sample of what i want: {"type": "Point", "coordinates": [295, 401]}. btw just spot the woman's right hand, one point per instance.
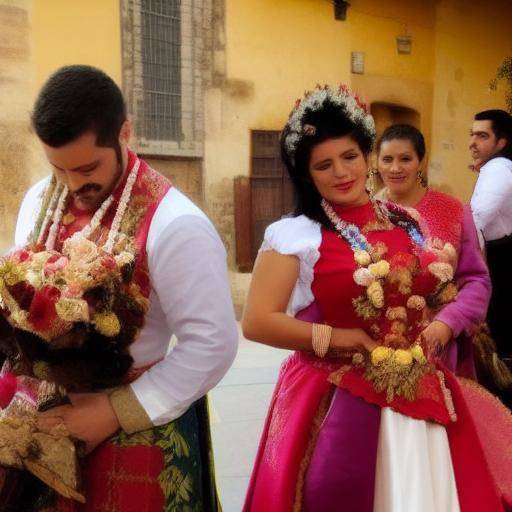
{"type": "Point", "coordinates": [352, 339]}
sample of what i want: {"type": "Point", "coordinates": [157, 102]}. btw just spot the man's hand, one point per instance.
{"type": "Point", "coordinates": [435, 336]}
{"type": "Point", "coordinates": [90, 418]}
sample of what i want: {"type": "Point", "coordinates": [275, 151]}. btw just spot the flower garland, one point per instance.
{"type": "Point", "coordinates": [371, 269]}
{"type": "Point", "coordinates": [397, 366]}
{"type": "Point", "coordinates": [56, 219]}
{"type": "Point", "coordinates": [56, 212]}
{"type": "Point", "coordinates": [314, 100]}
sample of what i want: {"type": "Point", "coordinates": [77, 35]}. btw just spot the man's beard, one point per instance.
{"type": "Point", "coordinates": [94, 202]}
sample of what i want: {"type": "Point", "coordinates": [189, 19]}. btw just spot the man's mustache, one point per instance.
{"type": "Point", "coordinates": [85, 189]}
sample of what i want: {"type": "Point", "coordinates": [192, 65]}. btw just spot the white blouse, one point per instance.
{"type": "Point", "coordinates": [301, 237]}
{"type": "Point", "coordinates": [189, 298]}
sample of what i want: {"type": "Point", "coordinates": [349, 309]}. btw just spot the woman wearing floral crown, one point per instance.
{"type": "Point", "coordinates": [401, 157]}
{"type": "Point", "coordinates": [112, 260]}
{"type": "Point", "coordinates": [364, 416]}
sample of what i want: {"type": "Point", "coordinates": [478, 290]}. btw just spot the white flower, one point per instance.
{"type": "Point", "coordinates": [80, 250]}
{"type": "Point", "coordinates": [34, 278]}
{"type": "Point", "coordinates": [124, 258]}
{"type": "Point", "coordinates": [363, 277]}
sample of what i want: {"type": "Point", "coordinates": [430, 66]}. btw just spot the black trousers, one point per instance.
{"type": "Point", "coordinates": [499, 315]}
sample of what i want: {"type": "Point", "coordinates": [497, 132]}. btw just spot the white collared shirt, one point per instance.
{"type": "Point", "coordinates": [190, 299]}
{"type": "Point", "coordinates": [491, 202]}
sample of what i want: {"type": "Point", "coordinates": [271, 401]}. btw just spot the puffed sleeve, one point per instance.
{"type": "Point", "coordinates": [300, 237]}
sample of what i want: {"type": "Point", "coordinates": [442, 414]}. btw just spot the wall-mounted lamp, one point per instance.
{"type": "Point", "coordinates": [404, 44]}
{"type": "Point", "coordinates": [340, 9]}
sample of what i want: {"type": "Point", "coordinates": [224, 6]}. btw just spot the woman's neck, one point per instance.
{"type": "Point", "coordinates": [410, 198]}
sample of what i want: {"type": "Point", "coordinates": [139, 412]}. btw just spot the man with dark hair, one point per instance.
{"type": "Point", "coordinates": [138, 263]}
{"type": "Point", "coordinates": [491, 149]}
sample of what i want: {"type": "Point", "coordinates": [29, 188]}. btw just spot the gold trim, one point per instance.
{"type": "Point", "coordinates": [318, 420]}
{"type": "Point", "coordinates": [129, 411]}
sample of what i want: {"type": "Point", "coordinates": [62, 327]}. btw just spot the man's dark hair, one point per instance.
{"type": "Point", "coordinates": [331, 121]}
{"type": "Point", "coordinates": [501, 124]}
{"type": "Point", "coordinates": [76, 99]}
{"type": "Point", "coordinates": [404, 132]}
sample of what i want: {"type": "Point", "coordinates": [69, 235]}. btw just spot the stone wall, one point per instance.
{"type": "Point", "coordinates": [18, 147]}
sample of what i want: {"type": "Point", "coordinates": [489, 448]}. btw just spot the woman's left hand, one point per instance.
{"type": "Point", "coordinates": [436, 336]}
{"type": "Point", "coordinates": [90, 418]}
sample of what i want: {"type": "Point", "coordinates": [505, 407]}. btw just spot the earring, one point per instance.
{"type": "Point", "coordinates": [370, 182]}
{"type": "Point", "coordinates": [422, 179]}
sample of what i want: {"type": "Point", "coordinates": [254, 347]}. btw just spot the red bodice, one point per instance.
{"type": "Point", "coordinates": [333, 286]}
{"type": "Point", "coordinates": [442, 214]}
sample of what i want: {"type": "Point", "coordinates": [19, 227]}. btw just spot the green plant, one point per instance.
{"type": "Point", "coordinates": [504, 72]}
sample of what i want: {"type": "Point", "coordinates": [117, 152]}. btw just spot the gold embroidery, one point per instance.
{"type": "Point", "coordinates": [306, 459]}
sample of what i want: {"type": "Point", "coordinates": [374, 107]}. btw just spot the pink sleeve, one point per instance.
{"type": "Point", "coordinates": [473, 283]}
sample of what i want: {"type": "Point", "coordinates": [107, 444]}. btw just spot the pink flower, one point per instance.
{"type": "Point", "coordinates": [72, 290]}
{"type": "Point", "coordinates": [54, 265]}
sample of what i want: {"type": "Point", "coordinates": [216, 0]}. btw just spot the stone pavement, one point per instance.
{"type": "Point", "coordinates": [240, 404]}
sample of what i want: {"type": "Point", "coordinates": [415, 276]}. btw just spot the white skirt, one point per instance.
{"type": "Point", "coordinates": [414, 467]}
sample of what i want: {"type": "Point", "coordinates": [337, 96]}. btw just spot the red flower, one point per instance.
{"type": "Point", "coordinates": [23, 293]}
{"type": "Point", "coordinates": [7, 389]}
{"type": "Point", "coordinates": [23, 255]}
{"type": "Point", "coordinates": [108, 262]}
{"type": "Point", "coordinates": [42, 310]}
{"type": "Point", "coordinates": [403, 259]}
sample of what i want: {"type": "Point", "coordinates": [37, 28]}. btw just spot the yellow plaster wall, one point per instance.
{"type": "Point", "coordinates": [472, 38]}
{"type": "Point", "coordinates": [76, 32]}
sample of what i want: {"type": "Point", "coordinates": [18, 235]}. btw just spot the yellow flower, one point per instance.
{"type": "Point", "coordinates": [379, 269]}
{"type": "Point", "coordinates": [418, 354]}
{"type": "Point", "coordinates": [450, 251]}
{"type": "Point", "coordinates": [380, 354]}
{"type": "Point", "coordinates": [398, 313]}
{"type": "Point", "coordinates": [73, 310]}
{"type": "Point", "coordinates": [376, 294]}
{"type": "Point", "coordinates": [447, 294]}
{"type": "Point", "coordinates": [403, 357]}
{"type": "Point", "coordinates": [443, 271]}
{"type": "Point", "coordinates": [362, 258]}
{"type": "Point", "coordinates": [12, 273]}
{"type": "Point", "coordinates": [107, 324]}
{"type": "Point", "coordinates": [416, 302]}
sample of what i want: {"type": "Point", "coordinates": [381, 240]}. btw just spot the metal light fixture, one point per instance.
{"type": "Point", "coordinates": [340, 9]}
{"type": "Point", "coordinates": [404, 44]}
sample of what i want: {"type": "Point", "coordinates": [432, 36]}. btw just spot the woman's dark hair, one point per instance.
{"type": "Point", "coordinates": [404, 132]}
{"type": "Point", "coordinates": [76, 99]}
{"type": "Point", "coordinates": [501, 124]}
{"type": "Point", "coordinates": [330, 121]}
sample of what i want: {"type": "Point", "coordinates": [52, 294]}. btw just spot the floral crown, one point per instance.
{"type": "Point", "coordinates": [315, 100]}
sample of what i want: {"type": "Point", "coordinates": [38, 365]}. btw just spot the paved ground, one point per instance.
{"type": "Point", "coordinates": [240, 403]}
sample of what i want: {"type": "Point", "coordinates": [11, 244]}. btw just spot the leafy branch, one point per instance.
{"type": "Point", "coordinates": [504, 72]}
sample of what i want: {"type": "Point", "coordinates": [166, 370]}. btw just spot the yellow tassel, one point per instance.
{"type": "Point", "coordinates": [501, 373]}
